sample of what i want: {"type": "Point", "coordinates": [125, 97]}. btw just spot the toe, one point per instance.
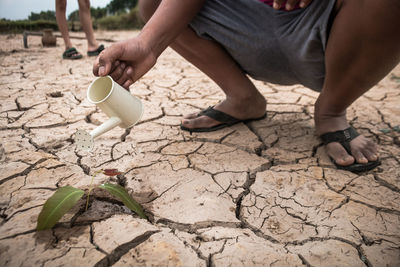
{"type": "Point", "coordinates": [187, 123]}
{"type": "Point", "coordinates": [191, 123]}
{"type": "Point", "coordinates": [191, 116]}
{"type": "Point", "coordinates": [364, 150]}
{"type": "Point", "coordinates": [371, 155]}
{"type": "Point", "coordinates": [359, 156]}
{"type": "Point", "coordinates": [339, 154]}
{"type": "Point", "coordinates": [371, 151]}
{"type": "Point", "coordinates": [199, 122]}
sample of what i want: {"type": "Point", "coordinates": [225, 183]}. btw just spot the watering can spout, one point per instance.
{"type": "Point", "coordinates": [84, 140]}
{"type": "Point", "coordinates": [106, 126]}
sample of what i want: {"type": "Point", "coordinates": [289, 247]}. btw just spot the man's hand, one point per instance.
{"type": "Point", "coordinates": [290, 4]}
{"type": "Point", "coordinates": [129, 60]}
{"type": "Point", "coordinates": [125, 62]}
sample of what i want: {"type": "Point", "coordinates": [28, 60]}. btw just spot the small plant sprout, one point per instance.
{"type": "Point", "coordinates": [90, 188]}
{"type": "Point", "coordinates": [66, 197]}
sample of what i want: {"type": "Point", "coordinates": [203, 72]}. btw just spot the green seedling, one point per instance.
{"type": "Point", "coordinates": [385, 131]}
{"type": "Point", "coordinates": [395, 78]}
{"type": "Point", "coordinates": [66, 197]}
{"type": "Point", "coordinates": [388, 130]}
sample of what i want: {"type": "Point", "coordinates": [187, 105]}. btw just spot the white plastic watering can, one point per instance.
{"type": "Point", "coordinates": [122, 108]}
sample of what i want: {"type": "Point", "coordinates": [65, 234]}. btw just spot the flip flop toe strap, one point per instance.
{"type": "Point", "coordinates": [71, 53]}
{"type": "Point", "coordinates": [97, 51]}
{"type": "Point", "coordinates": [344, 137]}
{"type": "Point", "coordinates": [218, 116]}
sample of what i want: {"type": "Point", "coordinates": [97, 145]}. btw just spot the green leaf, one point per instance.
{"type": "Point", "coordinates": [120, 192]}
{"type": "Point", "coordinates": [395, 78]}
{"type": "Point", "coordinates": [57, 205]}
{"type": "Point", "coordinates": [385, 131]}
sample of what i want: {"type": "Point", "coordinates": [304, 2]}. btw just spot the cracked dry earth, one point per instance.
{"type": "Point", "coordinates": [257, 194]}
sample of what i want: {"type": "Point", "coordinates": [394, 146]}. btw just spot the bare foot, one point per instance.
{"type": "Point", "coordinates": [363, 150]}
{"type": "Point", "coordinates": [250, 108]}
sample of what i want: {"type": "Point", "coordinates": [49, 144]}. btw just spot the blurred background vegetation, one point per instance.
{"type": "Point", "coordinates": [117, 15]}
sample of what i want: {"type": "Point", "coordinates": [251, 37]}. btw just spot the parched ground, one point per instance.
{"type": "Point", "coordinates": [257, 194]}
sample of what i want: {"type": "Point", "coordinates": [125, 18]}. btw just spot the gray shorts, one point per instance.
{"type": "Point", "coordinates": [274, 46]}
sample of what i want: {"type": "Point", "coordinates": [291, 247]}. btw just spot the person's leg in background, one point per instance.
{"type": "Point", "coordinates": [87, 26]}
{"type": "Point", "coordinates": [70, 51]}
{"type": "Point", "coordinates": [61, 8]}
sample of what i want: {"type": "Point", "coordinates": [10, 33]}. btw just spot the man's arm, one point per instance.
{"type": "Point", "coordinates": [129, 60]}
{"type": "Point", "coordinates": [169, 20]}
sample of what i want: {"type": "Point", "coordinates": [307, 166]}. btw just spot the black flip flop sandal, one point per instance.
{"type": "Point", "coordinates": [96, 52]}
{"type": "Point", "coordinates": [225, 119]}
{"type": "Point", "coordinates": [344, 137]}
{"type": "Point", "coordinates": [71, 53]}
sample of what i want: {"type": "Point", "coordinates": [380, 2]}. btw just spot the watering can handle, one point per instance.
{"type": "Point", "coordinates": [106, 126]}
